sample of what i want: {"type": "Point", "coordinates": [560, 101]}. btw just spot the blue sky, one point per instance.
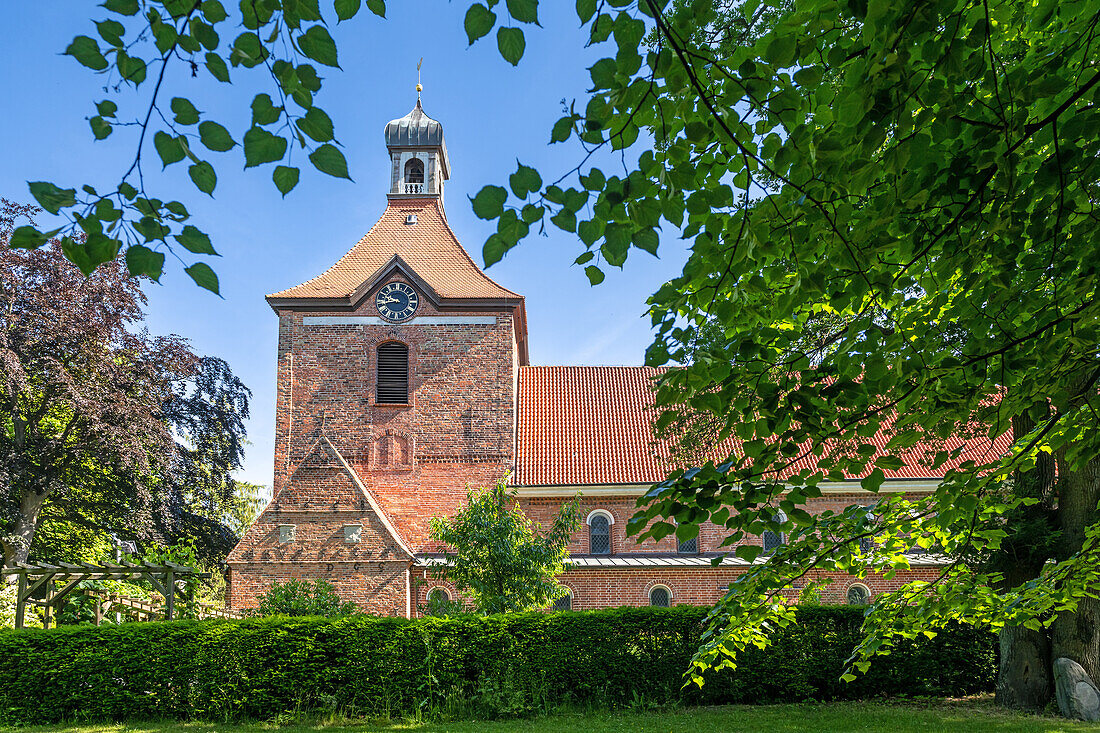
{"type": "Point", "coordinates": [492, 114]}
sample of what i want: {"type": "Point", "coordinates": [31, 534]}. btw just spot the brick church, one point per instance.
{"type": "Point", "coordinates": [403, 377]}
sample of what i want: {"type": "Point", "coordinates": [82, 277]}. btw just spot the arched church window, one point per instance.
{"type": "Point", "coordinates": [393, 373]}
{"type": "Point", "coordinates": [599, 535]}
{"type": "Point", "coordinates": [858, 595]}
{"type": "Point", "coordinates": [772, 541]}
{"type": "Point", "coordinates": [564, 603]}
{"type": "Point", "coordinates": [414, 171]}
{"type": "Point", "coordinates": [660, 596]}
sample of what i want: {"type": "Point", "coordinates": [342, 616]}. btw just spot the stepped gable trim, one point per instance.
{"type": "Point", "coordinates": [339, 284]}
{"type": "Point", "coordinates": [323, 441]}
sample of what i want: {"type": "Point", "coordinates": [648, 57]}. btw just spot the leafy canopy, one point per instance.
{"type": "Point", "coordinates": [500, 557]}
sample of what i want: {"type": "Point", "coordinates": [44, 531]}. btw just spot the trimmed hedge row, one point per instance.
{"type": "Point", "coordinates": [257, 668]}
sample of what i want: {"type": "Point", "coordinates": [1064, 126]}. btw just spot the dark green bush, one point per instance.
{"type": "Point", "coordinates": [259, 667]}
{"type": "Point", "coordinates": [303, 598]}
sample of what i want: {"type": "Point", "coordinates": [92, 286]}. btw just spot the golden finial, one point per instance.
{"type": "Point", "coordinates": [419, 88]}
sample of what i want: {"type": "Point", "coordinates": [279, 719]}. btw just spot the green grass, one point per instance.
{"type": "Point", "coordinates": [968, 716]}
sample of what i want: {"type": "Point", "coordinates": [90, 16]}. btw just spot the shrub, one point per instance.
{"type": "Point", "coordinates": [302, 598]}
{"type": "Point", "coordinates": [492, 665]}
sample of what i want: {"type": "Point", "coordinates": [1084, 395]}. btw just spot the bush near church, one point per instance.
{"type": "Point", "coordinates": [515, 663]}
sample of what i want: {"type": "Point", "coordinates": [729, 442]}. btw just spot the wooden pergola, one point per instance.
{"type": "Point", "coordinates": [58, 581]}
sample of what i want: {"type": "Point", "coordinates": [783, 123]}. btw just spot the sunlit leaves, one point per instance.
{"type": "Point", "coordinates": [215, 64]}
{"type": "Point", "coordinates": [346, 9]}
{"type": "Point", "coordinates": [170, 149]}
{"type": "Point", "coordinates": [264, 112]}
{"type": "Point", "coordinates": [317, 124]}
{"type": "Point", "coordinates": [525, 181]}
{"type": "Point", "coordinates": [525, 11]}
{"type": "Point", "coordinates": [378, 7]}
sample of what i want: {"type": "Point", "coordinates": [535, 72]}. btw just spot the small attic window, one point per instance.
{"type": "Point", "coordinates": [410, 218]}
{"type": "Point", "coordinates": [414, 171]}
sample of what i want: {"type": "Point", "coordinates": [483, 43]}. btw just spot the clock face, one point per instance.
{"type": "Point", "coordinates": [396, 301]}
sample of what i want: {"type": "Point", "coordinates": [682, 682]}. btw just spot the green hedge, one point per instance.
{"type": "Point", "coordinates": [509, 664]}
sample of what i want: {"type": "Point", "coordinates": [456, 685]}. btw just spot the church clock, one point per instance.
{"type": "Point", "coordinates": [396, 301]}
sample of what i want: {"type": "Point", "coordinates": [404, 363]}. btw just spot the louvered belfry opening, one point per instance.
{"type": "Point", "coordinates": [393, 373]}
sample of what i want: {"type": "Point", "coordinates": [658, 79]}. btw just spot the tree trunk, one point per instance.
{"type": "Point", "coordinates": [1076, 635]}
{"type": "Point", "coordinates": [1024, 678]}
{"type": "Point", "coordinates": [18, 547]}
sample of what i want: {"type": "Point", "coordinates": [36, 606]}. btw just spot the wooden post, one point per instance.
{"type": "Point", "coordinates": [49, 598]}
{"type": "Point", "coordinates": [20, 600]}
{"type": "Point", "coordinates": [170, 595]}
{"type": "Point", "coordinates": [98, 611]}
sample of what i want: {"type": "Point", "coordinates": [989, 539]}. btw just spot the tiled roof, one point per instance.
{"type": "Point", "coordinates": [429, 247]}
{"type": "Point", "coordinates": [585, 426]}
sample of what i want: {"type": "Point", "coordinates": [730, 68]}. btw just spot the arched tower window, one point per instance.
{"type": "Point", "coordinates": [393, 374]}
{"type": "Point", "coordinates": [599, 534]}
{"type": "Point", "coordinates": [414, 171]}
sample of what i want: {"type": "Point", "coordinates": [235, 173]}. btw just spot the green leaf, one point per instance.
{"type": "Point", "coordinates": [130, 68]}
{"type": "Point", "coordinates": [585, 10]}
{"type": "Point", "coordinates": [378, 7]}
{"type": "Point", "coordinates": [511, 44]}
{"type": "Point", "coordinates": [101, 128]}
{"type": "Point", "coordinates": [316, 124]}
{"type": "Point", "coordinates": [168, 148]}
{"type": "Point", "coordinates": [595, 275]}
{"type": "Point", "coordinates": [562, 129]}
{"type": "Point", "coordinates": [122, 7]}
{"type": "Point", "coordinates": [263, 111]}
{"type": "Point", "coordinates": [215, 137]}
{"type": "Point", "coordinates": [318, 45]}
{"type": "Point", "coordinates": [479, 21]}
{"type": "Point", "coordinates": [780, 51]}
{"type": "Point", "coordinates": [215, 64]}
{"type": "Point", "coordinates": [646, 239]}
{"type": "Point", "coordinates": [203, 176]}
{"type": "Point", "coordinates": [248, 50]}
{"type": "Point", "coordinates": [616, 243]}
{"type": "Point", "coordinates": [494, 249]}
{"type": "Point", "coordinates": [111, 31]}
{"type": "Point", "coordinates": [50, 197]}
{"type": "Point", "coordinates": [214, 11]}
{"type": "Point", "coordinates": [873, 481]}
{"type": "Point", "coordinates": [809, 76]}
{"type": "Point", "coordinates": [489, 202]}
{"type": "Point", "coordinates": [185, 112]}
{"type": "Point", "coordinates": [27, 237]}
{"type": "Point", "coordinates": [346, 9]}
{"type": "Point", "coordinates": [524, 181]}
{"type": "Point", "coordinates": [286, 178]}
{"type": "Point", "coordinates": [140, 260]}
{"type": "Point", "coordinates": [525, 11]}
{"type": "Point", "coordinates": [86, 51]}
{"type": "Point", "coordinates": [328, 159]}
{"type": "Point", "coordinates": [195, 241]}
{"type": "Point", "coordinates": [203, 276]}
{"type": "Point", "coordinates": [106, 108]}
{"type": "Point", "coordinates": [260, 147]}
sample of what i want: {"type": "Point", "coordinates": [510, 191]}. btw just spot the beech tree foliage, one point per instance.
{"type": "Point", "coordinates": [924, 175]}
{"type": "Point", "coordinates": [104, 427]}
{"type": "Point", "coordinates": [499, 556]}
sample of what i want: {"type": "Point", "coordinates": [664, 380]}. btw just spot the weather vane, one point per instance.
{"type": "Point", "coordinates": [419, 88]}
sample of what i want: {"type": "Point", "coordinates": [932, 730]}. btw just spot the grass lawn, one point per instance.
{"type": "Point", "coordinates": [969, 716]}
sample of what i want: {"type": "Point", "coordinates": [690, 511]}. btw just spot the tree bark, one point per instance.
{"type": "Point", "coordinates": [1024, 678]}
{"type": "Point", "coordinates": [1076, 635]}
{"type": "Point", "coordinates": [30, 511]}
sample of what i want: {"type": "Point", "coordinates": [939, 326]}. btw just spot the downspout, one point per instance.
{"type": "Point", "coordinates": [408, 590]}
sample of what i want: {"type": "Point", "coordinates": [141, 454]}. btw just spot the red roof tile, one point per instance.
{"type": "Point", "coordinates": [579, 426]}
{"type": "Point", "coordinates": [429, 247]}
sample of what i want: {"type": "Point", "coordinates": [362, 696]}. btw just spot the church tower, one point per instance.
{"type": "Point", "coordinates": [397, 371]}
